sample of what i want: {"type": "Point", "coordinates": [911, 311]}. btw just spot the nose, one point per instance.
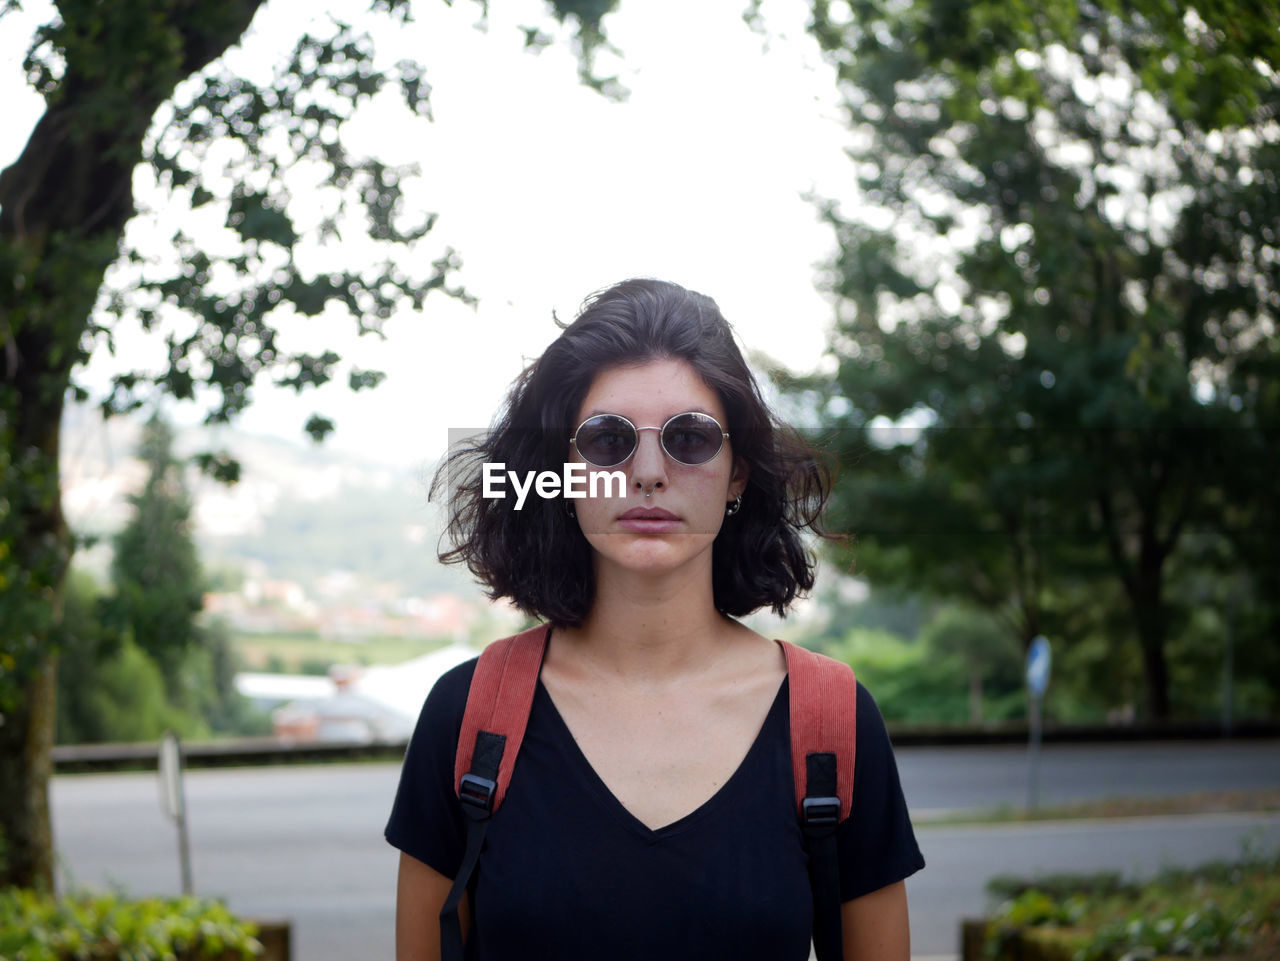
{"type": "Point", "coordinates": [648, 463]}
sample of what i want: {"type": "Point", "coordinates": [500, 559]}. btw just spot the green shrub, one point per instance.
{"type": "Point", "coordinates": [910, 685]}
{"type": "Point", "coordinates": [1206, 931]}
{"type": "Point", "coordinates": [106, 927]}
{"type": "Point", "coordinates": [1217, 910]}
{"type": "Point", "coordinates": [1060, 886]}
{"type": "Point", "coordinates": [130, 703]}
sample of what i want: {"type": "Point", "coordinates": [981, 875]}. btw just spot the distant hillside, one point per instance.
{"type": "Point", "coordinates": [382, 533]}
{"type": "Point", "coordinates": [300, 511]}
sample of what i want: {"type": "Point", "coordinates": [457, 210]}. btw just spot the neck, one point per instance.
{"type": "Point", "coordinates": [650, 630]}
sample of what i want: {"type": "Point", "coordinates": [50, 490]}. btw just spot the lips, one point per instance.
{"type": "Point", "coordinates": [648, 514]}
{"type": "Point", "coordinates": [649, 520]}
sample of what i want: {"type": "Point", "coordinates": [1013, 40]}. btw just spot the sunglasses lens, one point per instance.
{"type": "Point", "coordinates": [692, 438]}
{"type": "Point", "coordinates": [606, 440]}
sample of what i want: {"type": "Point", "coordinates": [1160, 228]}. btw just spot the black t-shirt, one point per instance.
{"type": "Point", "coordinates": [568, 873]}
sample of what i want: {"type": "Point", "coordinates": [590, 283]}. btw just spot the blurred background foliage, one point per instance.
{"type": "Point", "coordinates": [1053, 407]}
{"type": "Point", "coordinates": [136, 659]}
{"type": "Point", "coordinates": [1056, 387]}
{"type": "Point", "coordinates": [142, 89]}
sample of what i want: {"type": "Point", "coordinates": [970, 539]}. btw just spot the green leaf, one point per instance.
{"type": "Point", "coordinates": [255, 216]}
{"type": "Point", "coordinates": [219, 465]}
{"type": "Point", "coordinates": [319, 427]}
{"type": "Point", "coordinates": [364, 379]}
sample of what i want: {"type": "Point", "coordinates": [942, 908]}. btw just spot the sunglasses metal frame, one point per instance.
{"type": "Point", "coordinates": [724, 436]}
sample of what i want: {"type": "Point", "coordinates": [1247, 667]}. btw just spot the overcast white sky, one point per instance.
{"type": "Point", "coordinates": [549, 191]}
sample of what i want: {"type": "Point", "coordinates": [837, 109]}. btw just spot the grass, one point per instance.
{"type": "Point", "coordinates": [1205, 802]}
{"type": "Point", "coordinates": [309, 654]}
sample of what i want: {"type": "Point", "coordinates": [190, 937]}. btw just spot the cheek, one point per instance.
{"type": "Point", "coordinates": [595, 513]}
{"type": "Point", "coordinates": [705, 485]}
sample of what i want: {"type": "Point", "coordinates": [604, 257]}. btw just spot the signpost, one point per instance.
{"type": "Point", "coordinates": [174, 801]}
{"type": "Point", "coordinates": [1038, 662]}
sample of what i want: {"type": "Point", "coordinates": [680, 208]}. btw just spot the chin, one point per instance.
{"type": "Point", "coordinates": [654, 556]}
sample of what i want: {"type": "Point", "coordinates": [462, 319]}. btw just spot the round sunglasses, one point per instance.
{"type": "Point", "coordinates": [608, 440]}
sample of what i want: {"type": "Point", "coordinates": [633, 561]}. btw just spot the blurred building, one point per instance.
{"type": "Point", "coordinates": [358, 704]}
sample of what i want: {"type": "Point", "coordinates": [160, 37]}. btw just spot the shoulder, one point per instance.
{"type": "Point", "coordinates": [507, 657]}
{"type": "Point", "coordinates": [455, 681]}
{"type": "Point", "coordinates": [816, 675]}
{"type": "Point", "coordinates": [877, 842]}
{"type": "Point", "coordinates": [447, 700]}
{"type": "Point", "coordinates": [813, 674]}
{"type": "Point", "coordinates": [426, 819]}
{"type": "Point", "coordinates": [868, 709]}
{"type": "Point", "coordinates": [873, 736]}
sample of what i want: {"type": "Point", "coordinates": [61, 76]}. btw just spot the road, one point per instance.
{"type": "Point", "coordinates": [305, 843]}
{"type": "Point", "coordinates": [987, 777]}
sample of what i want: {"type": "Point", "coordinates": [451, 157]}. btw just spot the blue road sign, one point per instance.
{"type": "Point", "coordinates": [1038, 660]}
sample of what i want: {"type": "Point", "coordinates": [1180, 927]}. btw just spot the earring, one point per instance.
{"type": "Point", "coordinates": [568, 509]}
{"type": "Point", "coordinates": [734, 507]}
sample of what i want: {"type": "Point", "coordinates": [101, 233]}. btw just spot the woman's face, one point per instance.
{"type": "Point", "coordinates": [687, 504]}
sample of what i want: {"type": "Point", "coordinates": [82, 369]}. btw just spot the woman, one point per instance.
{"type": "Point", "coordinates": [652, 811]}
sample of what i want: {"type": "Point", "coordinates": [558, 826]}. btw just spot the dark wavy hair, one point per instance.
{"type": "Point", "coordinates": [538, 557]}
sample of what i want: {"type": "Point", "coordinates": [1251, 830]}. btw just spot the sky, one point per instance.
{"type": "Point", "coordinates": [549, 191]}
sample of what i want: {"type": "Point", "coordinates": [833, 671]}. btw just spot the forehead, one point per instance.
{"type": "Point", "coordinates": [651, 392]}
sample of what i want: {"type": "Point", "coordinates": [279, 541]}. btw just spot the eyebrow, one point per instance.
{"type": "Point", "coordinates": [596, 412]}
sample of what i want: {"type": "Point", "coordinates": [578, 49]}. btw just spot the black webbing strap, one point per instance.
{"type": "Point", "coordinates": [476, 794]}
{"type": "Point", "coordinates": [820, 815]}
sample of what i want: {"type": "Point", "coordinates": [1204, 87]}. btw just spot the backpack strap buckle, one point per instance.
{"type": "Point", "coordinates": [477, 792]}
{"type": "Point", "coordinates": [821, 811]}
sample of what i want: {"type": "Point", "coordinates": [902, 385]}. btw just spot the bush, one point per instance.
{"type": "Point", "coordinates": [110, 689]}
{"type": "Point", "coordinates": [1008, 887]}
{"type": "Point", "coordinates": [83, 927]}
{"type": "Point", "coordinates": [1218, 910]}
{"type": "Point", "coordinates": [910, 685]}
{"type": "Point", "coordinates": [131, 703]}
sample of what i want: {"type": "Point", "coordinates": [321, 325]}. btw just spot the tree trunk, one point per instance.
{"type": "Point", "coordinates": [37, 541]}
{"type": "Point", "coordinates": [63, 207]}
{"type": "Point", "coordinates": [1155, 669]}
{"type": "Point", "coordinates": [975, 693]}
{"type": "Point", "coordinates": [1141, 570]}
{"type": "Point", "coordinates": [1149, 614]}
{"type": "Point", "coordinates": [26, 737]}
{"type": "Point", "coordinates": [56, 260]}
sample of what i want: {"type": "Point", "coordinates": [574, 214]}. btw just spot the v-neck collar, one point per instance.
{"type": "Point", "coordinates": [543, 700]}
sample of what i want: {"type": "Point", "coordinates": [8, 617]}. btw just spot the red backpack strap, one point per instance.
{"type": "Point", "coordinates": [824, 720]}
{"type": "Point", "coordinates": [493, 725]}
{"type": "Point", "coordinates": [498, 705]}
{"type": "Point", "coordinates": [824, 712]}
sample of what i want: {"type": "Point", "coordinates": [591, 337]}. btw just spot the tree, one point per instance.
{"type": "Point", "coordinates": [84, 643]}
{"type": "Point", "coordinates": [108, 688]}
{"type": "Point", "coordinates": [114, 78]}
{"type": "Point", "coordinates": [159, 587]}
{"type": "Point", "coordinates": [1065, 270]}
{"type": "Point", "coordinates": [977, 641]}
